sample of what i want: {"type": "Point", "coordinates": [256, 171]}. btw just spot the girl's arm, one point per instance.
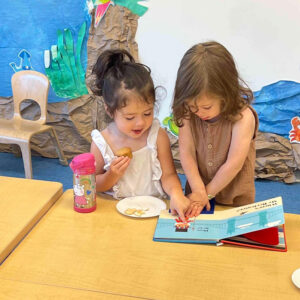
{"type": "Point", "coordinates": [105, 180]}
{"type": "Point", "coordinates": [189, 163]}
{"type": "Point", "coordinates": [242, 135]}
{"type": "Point", "coordinates": [169, 179]}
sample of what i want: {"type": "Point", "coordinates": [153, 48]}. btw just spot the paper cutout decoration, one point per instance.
{"type": "Point", "coordinates": [25, 63]}
{"type": "Point", "coordinates": [63, 65]}
{"type": "Point", "coordinates": [99, 2]}
{"type": "Point", "coordinates": [101, 9]}
{"type": "Point", "coordinates": [170, 125]}
{"type": "Point", "coordinates": [103, 5]}
{"type": "Point", "coordinates": [133, 6]}
{"type": "Point", "coordinates": [276, 104]}
{"type": "Point", "coordinates": [295, 131]}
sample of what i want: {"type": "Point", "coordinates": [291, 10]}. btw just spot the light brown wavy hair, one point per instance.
{"type": "Point", "coordinates": [208, 68]}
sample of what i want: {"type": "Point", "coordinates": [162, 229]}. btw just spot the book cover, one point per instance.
{"type": "Point", "coordinates": [249, 225]}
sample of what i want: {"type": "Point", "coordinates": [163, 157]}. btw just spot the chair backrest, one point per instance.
{"type": "Point", "coordinates": [30, 85]}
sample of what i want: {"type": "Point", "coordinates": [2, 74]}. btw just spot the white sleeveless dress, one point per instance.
{"type": "Point", "coordinates": [142, 177]}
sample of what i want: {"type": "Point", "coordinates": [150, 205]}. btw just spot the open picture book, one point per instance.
{"type": "Point", "coordinates": [259, 225]}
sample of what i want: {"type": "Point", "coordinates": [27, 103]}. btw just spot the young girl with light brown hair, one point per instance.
{"type": "Point", "coordinates": [217, 128]}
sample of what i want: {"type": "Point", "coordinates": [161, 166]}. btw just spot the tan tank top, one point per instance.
{"type": "Point", "coordinates": [212, 141]}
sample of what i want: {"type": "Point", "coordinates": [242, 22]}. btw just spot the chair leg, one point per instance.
{"type": "Point", "coordinates": [16, 150]}
{"type": "Point", "coordinates": [26, 155]}
{"type": "Point", "coordinates": [63, 161]}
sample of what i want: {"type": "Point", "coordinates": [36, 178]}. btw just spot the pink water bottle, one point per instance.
{"type": "Point", "coordinates": [84, 182]}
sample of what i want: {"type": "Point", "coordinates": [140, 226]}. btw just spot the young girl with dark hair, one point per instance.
{"type": "Point", "coordinates": [217, 127]}
{"type": "Point", "coordinates": [129, 98]}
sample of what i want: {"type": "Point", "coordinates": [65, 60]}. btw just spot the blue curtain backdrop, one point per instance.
{"type": "Point", "coordinates": [32, 25]}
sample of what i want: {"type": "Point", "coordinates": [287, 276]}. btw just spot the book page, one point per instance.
{"type": "Point", "coordinates": [221, 224]}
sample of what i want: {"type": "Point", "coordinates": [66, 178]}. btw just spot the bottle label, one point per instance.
{"type": "Point", "coordinates": [84, 187]}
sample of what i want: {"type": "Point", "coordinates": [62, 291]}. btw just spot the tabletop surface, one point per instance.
{"type": "Point", "coordinates": [113, 256]}
{"type": "Point", "coordinates": [22, 203]}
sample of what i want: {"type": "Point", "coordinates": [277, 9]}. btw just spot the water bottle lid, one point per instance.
{"type": "Point", "coordinates": [83, 163]}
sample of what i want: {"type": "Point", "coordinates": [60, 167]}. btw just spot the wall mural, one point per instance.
{"type": "Point", "coordinates": [29, 28]}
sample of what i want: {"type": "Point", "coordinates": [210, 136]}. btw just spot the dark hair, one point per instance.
{"type": "Point", "coordinates": [209, 68]}
{"type": "Point", "coordinates": [116, 72]}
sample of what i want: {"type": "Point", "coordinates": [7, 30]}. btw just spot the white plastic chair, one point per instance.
{"type": "Point", "coordinates": [34, 86]}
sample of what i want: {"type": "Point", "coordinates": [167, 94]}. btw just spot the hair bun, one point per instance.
{"type": "Point", "coordinates": [110, 61]}
{"type": "Point", "coordinates": [118, 57]}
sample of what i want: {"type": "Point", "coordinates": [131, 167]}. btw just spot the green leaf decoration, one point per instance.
{"type": "Point", "coordinates": [133, 6]}
{"type": "Point", "coordinates": [63, 65]}
{"type": "Point", "coordinates": [170, 125]}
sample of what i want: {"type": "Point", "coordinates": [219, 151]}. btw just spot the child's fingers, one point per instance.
{"type": "Point", "coordinates": [208, 206]}
{"type": "Point", "coordinates": [173, 212]}
{"type": "Point", "coordinates": [195, 210]}
{"type": "Point", "coordinates": [181, 215]}
{"type": "Point", "coordinates": [124, 164]}
{"type": "Point", "coordinates": [188, 212]}
{"type": "Point", "coordinates": [116, 161]}
{"type": "Point", "coordinates": [119, 165]}
{"type": "Point", "coordinates": [121, 161]}
{"type": "Point", "coordinates": [198, 211]}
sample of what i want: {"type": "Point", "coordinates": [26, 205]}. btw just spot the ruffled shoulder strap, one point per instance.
{"type": "Point", "coordinates": [152, 137]}
{"type": "Point", "coordinates": [102, 145]}
{"type": "Point", "coordinates": [156, 167]}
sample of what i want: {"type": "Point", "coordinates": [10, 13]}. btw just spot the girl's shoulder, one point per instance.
{"type": "Point", "coordinates": [248, 121]}
{"type": "Point", "coordinates": [154, 129]}
{"type": "Point", "coordinates": [248, 114]}
{"type": "Point", "coordinates": [95, 134]}
{"type": "Point", "coordinates": [162, 133]}
{"type": "Point", "coordinates": [155, 124]}
{"type": "Point", "coordinates": [162, 138]}
{"type": "Point", "coordinates": [99, 137]}
{"type": "Point", "coordinates": [153, 132]}
{"type": "Point", "coordinates": [104, 132]}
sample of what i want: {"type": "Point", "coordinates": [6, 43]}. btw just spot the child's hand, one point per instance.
{"type": "Point", "coordinates": [179, 205]}
{"type": "Point", "coordinates": [119, 165]}
{"type": "Point", "coordinates": [198, 202]}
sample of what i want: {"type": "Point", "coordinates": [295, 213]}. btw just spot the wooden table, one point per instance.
{"type": "Point", "coordinates": [22, 203]}
{"type": "Point", "coordinates": [109, 256]}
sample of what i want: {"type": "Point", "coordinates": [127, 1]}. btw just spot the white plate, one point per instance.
{"type": "Point", "coordinates": [296, 278]}
{"type": "Point", "coordinates": [148, 205]}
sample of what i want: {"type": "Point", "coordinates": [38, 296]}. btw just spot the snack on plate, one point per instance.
{"type": "Point", "coordinates": [135, 211]}
{"type": "Point", "coordinates": [130, 211]}
{"type": "Point", "coordinates": [125, 151]}
{"type": "Point", "coordinates": [139, 212]}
